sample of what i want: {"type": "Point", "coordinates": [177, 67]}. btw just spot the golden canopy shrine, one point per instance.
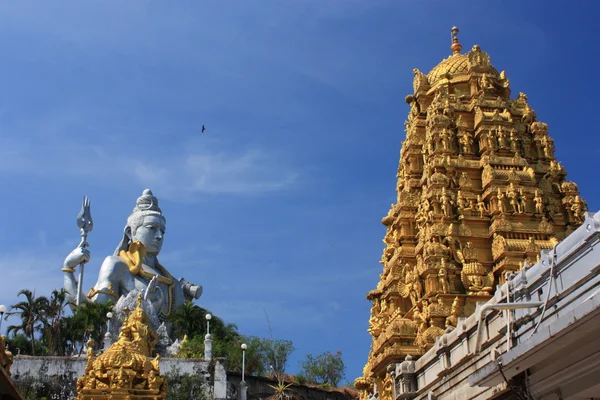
{"type": "Point", "coordinates": [480, 193]}
{"type": "Point", "coordinates": [125, 370]}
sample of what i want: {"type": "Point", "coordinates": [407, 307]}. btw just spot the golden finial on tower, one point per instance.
{"type": "Point", "coordinates": [456, 47]}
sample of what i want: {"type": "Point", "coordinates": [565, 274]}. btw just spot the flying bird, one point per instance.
{"type": "Point", "coordinates": [203, 128]}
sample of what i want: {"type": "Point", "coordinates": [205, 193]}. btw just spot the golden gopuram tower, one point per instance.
{"type": "Point", "coordinates": [479, 194]}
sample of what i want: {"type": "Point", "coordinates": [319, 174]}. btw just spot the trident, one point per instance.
{"type": "Point", "coordinates": [85, 224]}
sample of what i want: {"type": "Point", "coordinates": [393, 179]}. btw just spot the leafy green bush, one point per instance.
{"type": "Point", "coordinates": [186, 386]}
{"type": "Point", "coordinates": [326, 369]}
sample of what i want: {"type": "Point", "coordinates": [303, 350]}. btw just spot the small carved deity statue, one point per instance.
{"type": "Point", "coordinates": [472, 205]}
{"type": "Point", "coordinates": [420, 319]}
{"type": "Point", "coordinates": [154, 381]}
{"type": "Point", "coordinates": [548, 146]}
{"type": "Point", "coordinates": [460, 202]}
{"type": "Point", "coordinates": [485, 84]}
{"type": "Point", "coordinates": [469, 252]}
{"type": "Point", "coordinates": [501, 204]}
{"type": "Point", "coordinates": [445, 139]}
{"type": "Point", "coordinates": [467, 142]}
{"type": "Point", "coordinates": [527, 147]}
{"type": "Point", "coordinates": [452, 319]}
{"type": "Point", "coordinates": [134, 266]}
{"type": "Point", "coordinates": [414, 284]}
{"type": "Point", "coordinates": [481, 207]}
{"type": "Point", "coordinates": [443, 280]}
{"type": "Point", "coordinates": [502, 142]}
{"type": "Point", "coordinates": [514, 141]}
{"type": "Point", "coordinates": [374, 320]}
{"type": "Point", "coordinates": [539, 202]}
{"type": "Point", "coordinates": [539, 148]}
{"type": "Point", "coordinates": [578, 209]}
{"type": "Point", "coordinates": [491, 141]}
{"type": "Point", "coordinates": [446, 203]}
{"type": "Point", "coordinates": [522, 201]}
{"type": "Point", "coordinates": [384, 307]}
{"type": "Point", "coordinates": [465, 181]}
{"type": "Point", "coordinates": [425, 311]}
{"type": "Point", "coordinates": [513, 198]}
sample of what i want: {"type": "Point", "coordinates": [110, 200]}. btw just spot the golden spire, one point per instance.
{"type": "Point", "coordinates": [456, 47]}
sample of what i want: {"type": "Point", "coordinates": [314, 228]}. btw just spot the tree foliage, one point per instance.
{"type": "Point", "coordinates": [45, 329]}
{"type": "Point", "coordinates": [227, 343]}
{"type": "Point", "coordinates": [325, 369]}
{"type": "Point", "coordinates": [57, 334]}
{"type": "Point", "coordinates": [31, 311]}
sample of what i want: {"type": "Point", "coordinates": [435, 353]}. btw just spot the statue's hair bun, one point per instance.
{"type": "Point", "coordinates": [147, 202]}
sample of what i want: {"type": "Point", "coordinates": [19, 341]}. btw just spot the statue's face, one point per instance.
{"type": "Point", "coordinates": [150, 233]}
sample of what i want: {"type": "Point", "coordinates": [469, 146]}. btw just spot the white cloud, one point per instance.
{"type": "Point", "coordinates": [249, 172]}
{"type": "Point", "coordinates": [177, 176]}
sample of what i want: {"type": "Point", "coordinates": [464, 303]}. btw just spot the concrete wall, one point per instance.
{"type": "Point", "coordinates": [259, 389]}
{"type": "Point", "coordinates": [64, 371]}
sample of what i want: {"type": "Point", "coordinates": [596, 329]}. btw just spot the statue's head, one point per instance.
{"type": "Point", "coordinates": [146, 224]}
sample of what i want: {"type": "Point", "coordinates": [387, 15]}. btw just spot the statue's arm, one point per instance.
{"type": "Point", "coordinates": [70, 285]}
{"type": "Point", "coordinates": [111, 280]}
{"type": "Point", "coordinates": [76, 258]}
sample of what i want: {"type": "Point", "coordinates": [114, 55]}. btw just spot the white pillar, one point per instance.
{"type": "Point", "coordinates": [207, 347]}
{"type": "Point", "coordinates": [243, 390]}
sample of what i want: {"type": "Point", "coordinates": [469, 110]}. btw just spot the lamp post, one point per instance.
{"type": "Point", "coordinates": [207, 339]}
{"type": "Point", "coordinates": [243, 386]}
{"type": "Point", "coordinates": [107, 335]}
{"type": "Point", "coordinates": [2, 311]}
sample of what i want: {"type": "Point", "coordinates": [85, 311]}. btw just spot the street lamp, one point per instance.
{"type": "Point", "coordinates": [207, 339]}
{"type": "Point", "coordinates": [244, 347]}
{"type": "Point", "coordinates": [107, 335]}
{"type": "Point", "coordinates": [208, 318]}
{"type": "Point", "coordinates": [243, 386]}
{"type": "Point", "coordinates": [2, 311]}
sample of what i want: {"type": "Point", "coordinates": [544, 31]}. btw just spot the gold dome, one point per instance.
{"type": "Point", "coordinates": [456, 65]}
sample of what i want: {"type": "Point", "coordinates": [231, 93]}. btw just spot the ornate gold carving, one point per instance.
{"type": "Point", "coordinates": [478, 58]}
{"type": "Point", "coordinates": [6, 357]}
{"type": "Point", "coordinates": [388, 388]}
{"type": "Point", "coordinates": [452, 319]}
{"type": "Point", "coordinates": [125, 370]}
{"type": "Point", "coordinates": [476, 280]}
{"type": "Point", "coordinates": [479, 189]}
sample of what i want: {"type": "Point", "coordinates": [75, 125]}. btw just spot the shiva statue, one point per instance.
{"type": "Point", "coordinates": [134, 265]}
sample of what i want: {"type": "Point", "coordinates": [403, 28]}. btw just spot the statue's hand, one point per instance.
{"type": "Point", "coordinates": [80, 255]}
{"type": "Point", "coordinates": [151, 287]}
{"type": "Point", "coordinates": [152, 283]}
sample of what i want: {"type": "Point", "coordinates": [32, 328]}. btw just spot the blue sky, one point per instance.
{"type": "Point", "coordinates": [277, 206]}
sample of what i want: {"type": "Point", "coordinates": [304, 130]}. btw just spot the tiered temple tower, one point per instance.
{"type": "Point", "coordinates": [480, 193]}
